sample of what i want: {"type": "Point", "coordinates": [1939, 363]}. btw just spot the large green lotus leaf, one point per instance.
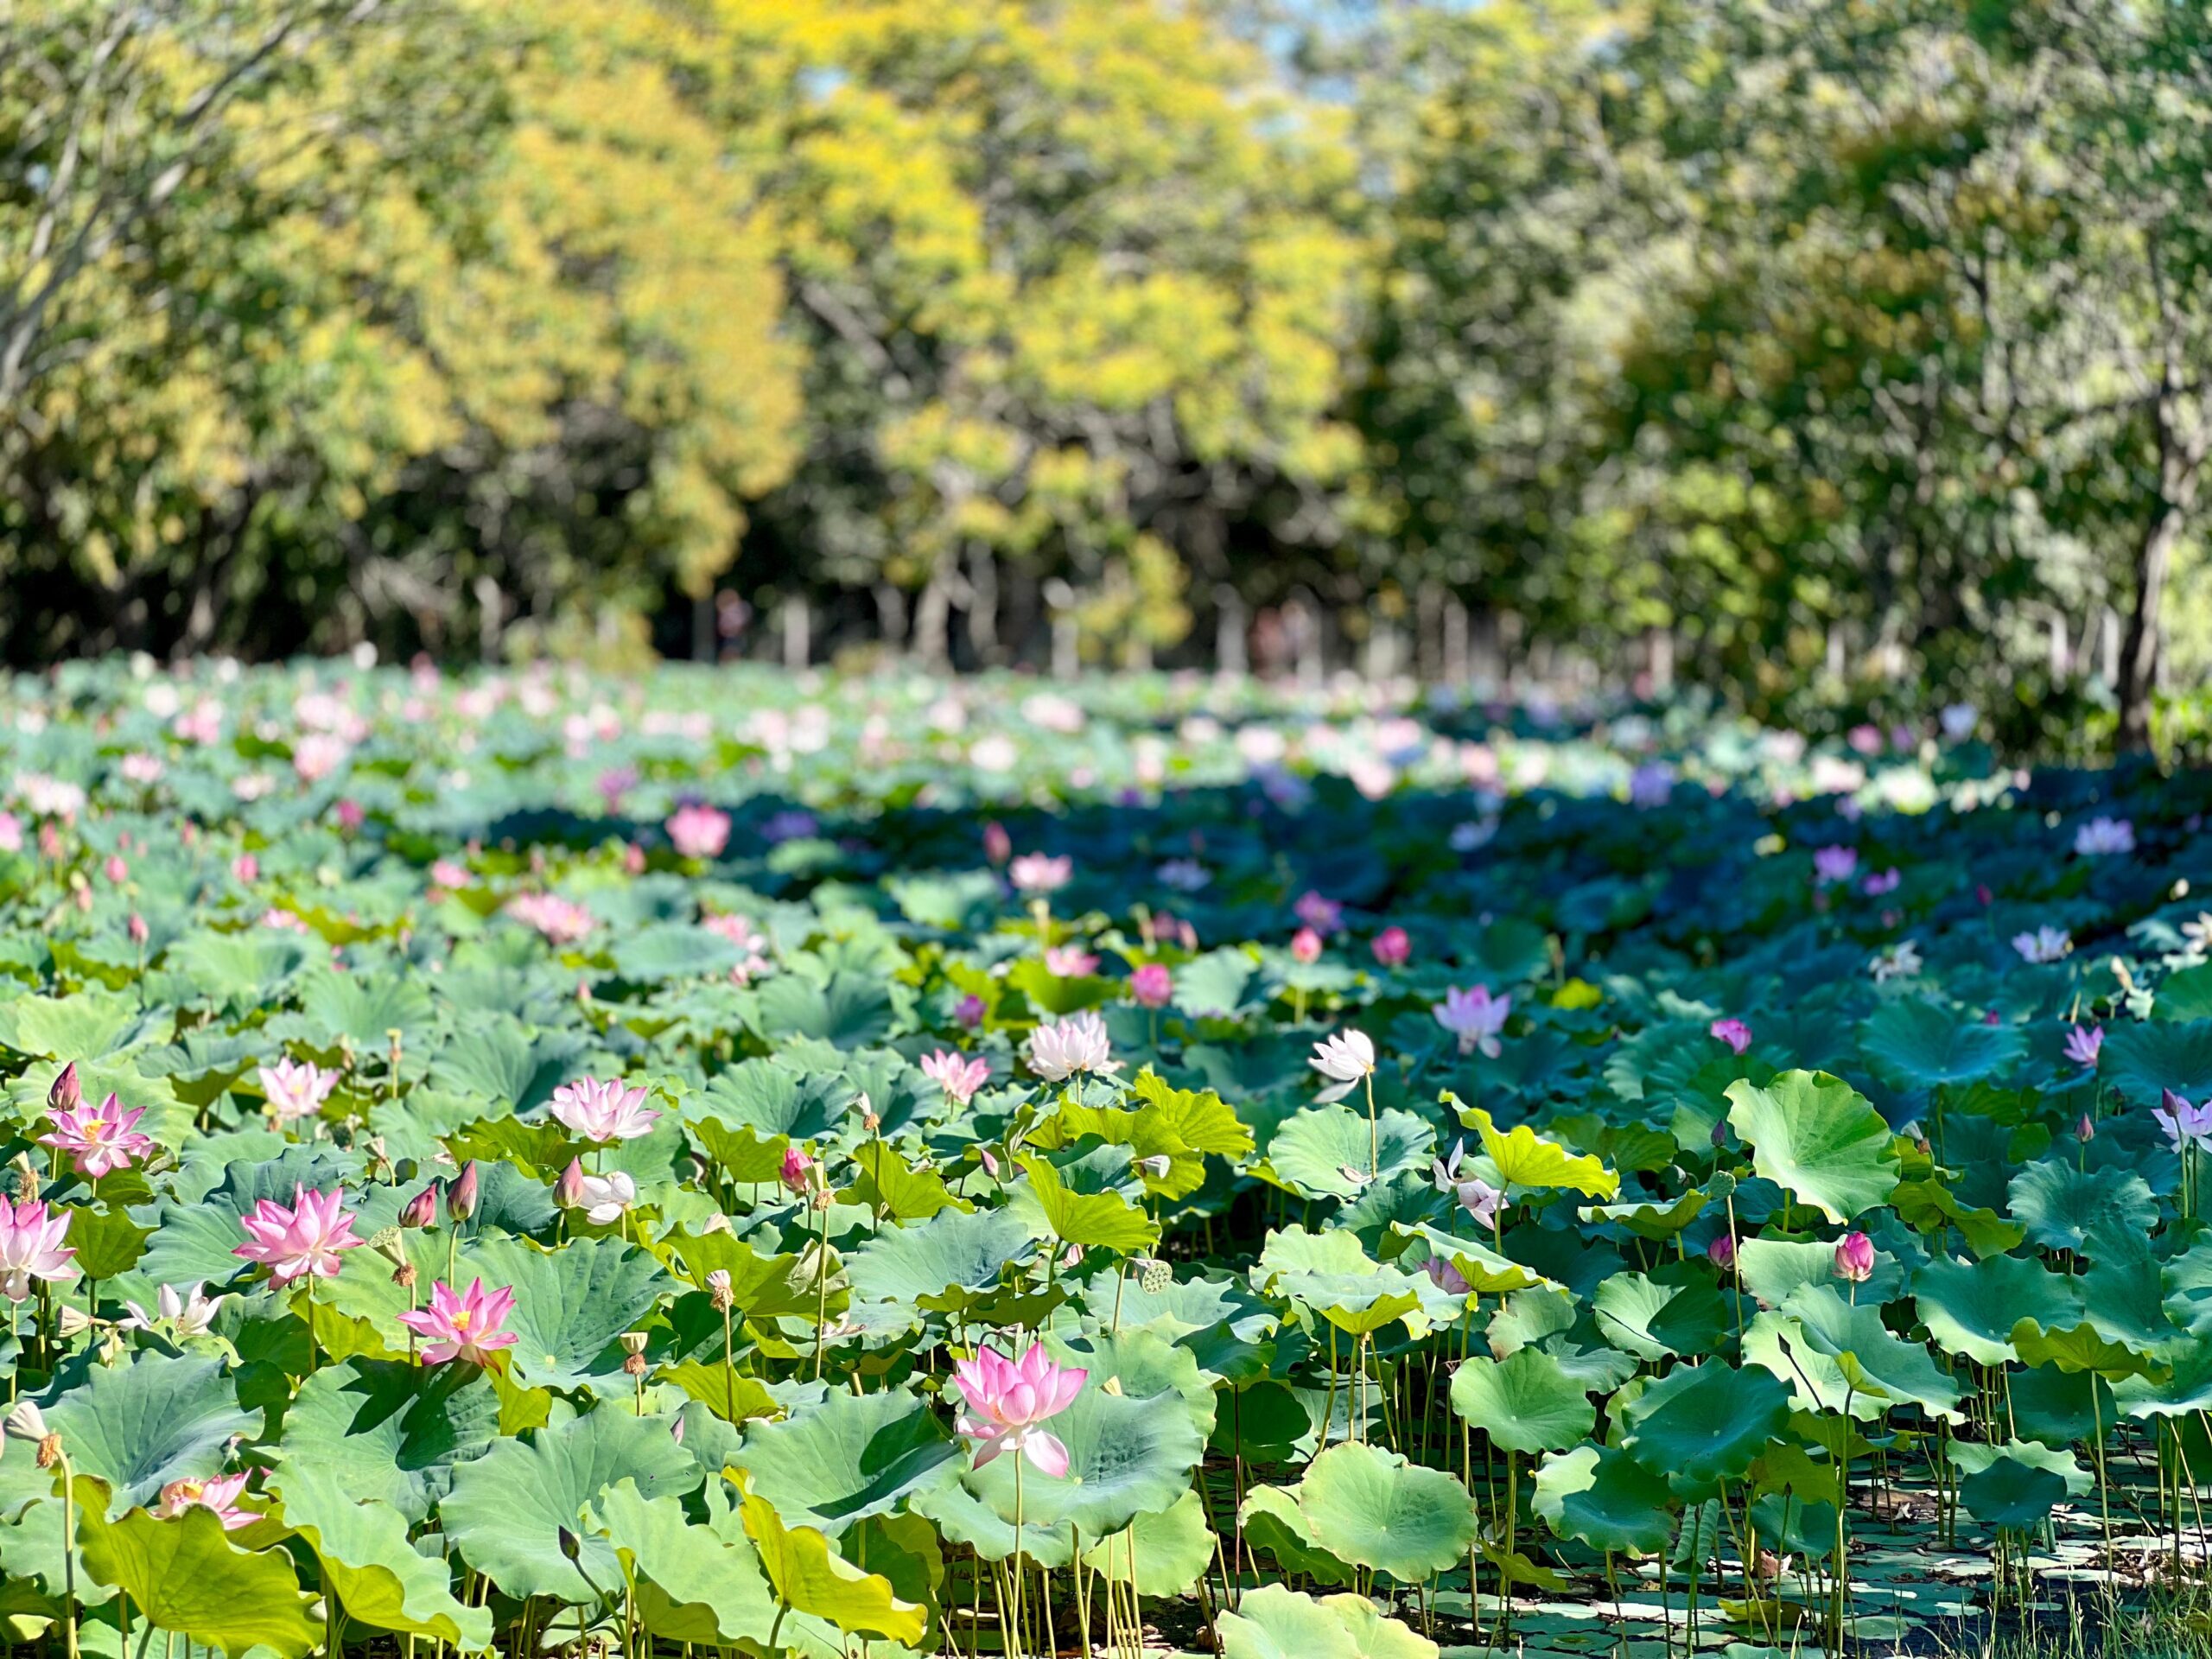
{"type": "Point", "coordinates": [2016, 1486]}
{"type": "Point", "coordinates": [1927, 1046]}
{"type": "Point", "coordinates": [186, 1576]}
{"type": "Point", "coordinates": [1653, 1320]}
{"type": "Point", "coordinates": [1179, 1308]}
{"type": "Point", "coordinates": [1324, 1151]}
{"type": "Point", "coordinates": [1125, 1456]}
{"type": "Point", "coordinates": [669, 950]}
{"type": "Point", "coordinates": [380, 1579]}
{"type": "Point", "coordinates": [2144, 1059]}
{"type": "Point", "coordinates": [2187, 1390]}
{"type": "Point", "coordinates": [1274, 1525]}
{"type": "Point", "coordinates": [499, 1058]}
{"type": "Point", "coordinates": [853, 1010]}
{"type": "Point", "coordinates": [1971, 1309]}
{"type": "Point", "coordinates": [1162, 1553]}
{"type": "Point", "coordinates": [1525, 1159]}
{"type": "Point", "coordinates": [965, 1519]}
{"type": "Point", "coordinates": [240, 969]}
{"type": "Point", "coordinates": [392, 1431]}
{"type": "Point", "coordinates": [1818, 1139]}
{"type": "Point", "coordinates": [140, 1426]}
{"type": "Point", "coordinates": [1605, 1497]}
{"type": "Point", "coordinates": [364, 1009]}
{"type": "Point", "coordinates": [1146, 1364]}
{"type": "Point", "coordinates": [1972, 1456]}
{"type": "Point", "coordinates": [508, 1508]}
{"type": "Point", "coordinates": [1273, 1623]}
{"type": "Point", "coordinates": [570, 1305]}
{"type": "Point", "coordinates": [1374, 1634]}
{"type": "Point", "coordinates": [1772, 1268]}
{"type": "Point", "coordinates": [1331, 1273]}
{"type": "Point", "coordinates": [1700, 1425]}
{"type": "Point", "coordinates": [1873, 1361]}
{"type": "Point", "coordinates": [2124, 1298]}
{"type": "Point", "coordinates": [771, 1100]}
{"type": "Point", "coordinates": [850, 1456]}
{"type": "Point", "coordinates": [1371, 1507]}
{"type": "Point", "coordinates": [809, 1577]}
{"type": "Point", "coordinates": [1092, 1220]}
{"type": "Point", "coordinates": [694, 1583]}
{"type": "Point", "coordinates": [2062, 1205]}
{"type": "Point", "coordinates": [1655, 1219]}
{"type": "Point", "coordinates": [1527, 1402]}
{"type": "Point", "coordinates": [87, 1025]}
{"type": "Point", "coordinates": [944, 1262]}
{"type": "Point", "coordinates": [1776, 1343]}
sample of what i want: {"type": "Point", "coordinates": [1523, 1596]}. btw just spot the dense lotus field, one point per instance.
{"type": "Point", "coordinates": [555, 1165]}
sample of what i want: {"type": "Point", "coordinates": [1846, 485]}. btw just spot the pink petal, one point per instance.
{"type": "Point", "coordinates": [1046, 1454]}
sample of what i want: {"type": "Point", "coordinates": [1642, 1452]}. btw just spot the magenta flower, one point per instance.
{"type": "Point", "coordinates": [1151, 985]}
{"type": "Point", "coordinates": [1306, 945]}
{"type": "Point", "coordinates": [798, 1172]}
{"type": "Point", "coordinates": [1854, 1258]}
{"type": "Point", "coordinates": [1069, 962]}
{"type": "Point", "coordinates": [101, 1138]}
{"type": "Point", "coordinates": [1734, 1033]}
{"type": "Point", "coordinates": [1392, 946]}
{"type": "Point", "coordinates": [31, 1247]}
{"type": "Point", "coordinates": [1834, 864]}
{"type": "Point", "coordinates": [1322, 915]}
{"type": "Point", "coordinates": [604, 1111]}
{"type": "Point", "coordinates": [971, 1011]}
{"type": "Point", "coordinates": [302, 1241]}
{"type": "Point", "coordinates": [220, 1493]}
{"type": "Point", "coordinates": [698, 832]}
{"type": "Point", "coordinates": [1007, 1399]}
{"type": "Point", "coordinates": [998, 846]}
{"type": "Point", "coordinates": [1721, 1252]}
{"type": "Point", "coordinates": [296, 1089]}
{"type": "Point", "coordinates": [2082, 1047]}
{"type": "Point", "coordinates": [958, 1075]}
{"type": "Point", "coordinates": [468, 1326]}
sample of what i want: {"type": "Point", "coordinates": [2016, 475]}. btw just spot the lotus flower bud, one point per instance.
{"type": "Point", "coordinates": [74, 1322]}
{"type": "Point", "coordinates": [1721, 1252]}
{"type": "Point", "coordinates": [676, 1430]}
{"type": "Point", "coordinates": [570, 1547]}
{"type": "Point", "coordinates": [421, 1209]}
{"type": "Point", "coordinates": [137, 929]}
{"type": "Point", "coordinates": [66, 1091]}
{"type": "Point", "coordinates": [1306, 945]}
{"type": "Point", "coordinates": [1854, 1258]}
{"type": "Point", "coordinates": [568, 1190]}
{"type": "Point", "coordinates": [461, 1197]}
{"type": "Point", "coordinates": [990, 1162]}
{"type": "Point", "coordinates": [1392, 946]}
{"type": "Point", "coordinates": [2086, 1128]}
{"type": "Point", "coordinates": [797, 1170]}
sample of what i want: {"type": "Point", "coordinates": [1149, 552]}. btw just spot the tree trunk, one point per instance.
{"type": "Point", "coordinates": [983, 606]}
{"type": "Point", "coordinates": [1229, 657]}
{"type": "Point", "coordinates": [798, 645]}
{"type": "Point", "coordinates": [2139, 650]}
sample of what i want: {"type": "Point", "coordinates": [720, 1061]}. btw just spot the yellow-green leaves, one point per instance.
{"type": "Point", "coordinates": [808, 1577]}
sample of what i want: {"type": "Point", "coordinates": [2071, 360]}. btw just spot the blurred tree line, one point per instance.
{"type": "Point", "coordinates": [1779, 345]}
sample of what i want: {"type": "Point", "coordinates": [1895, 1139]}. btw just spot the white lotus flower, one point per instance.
{"type": "Point", "coordinates": [1078, 1043]}
{"type": "Point", "coordinates": [1344, 1058]}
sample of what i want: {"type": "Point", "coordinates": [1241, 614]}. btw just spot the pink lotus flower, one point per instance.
{"type": "Point", "coordinates": [11, 833]}
{"type": "Point", "coordinates": [300, 1240]}
{"type": "Point", "coordinates": [1445, 1277]}
{"type": "Point", "coordinates": [2082, 1047]}
{"type": "Point", "coordinates": [1306, 945]}
{"type": "Point", "coordinates": [220, 1493]}
{"type": "Point", "coordinates": [2184, 1125]}
{"type": "Point", "coordinates": [1152, 985]}
{"type": "Point", "coordinates": [1854, 1258]}
{"type": "Point", "coordinates": [350, 815]}
{"type": "Point", "coordinates": [561, 920]}
{"type": "Point", "coordinates": [698, 832]}
{"type": "Point", "coordinates": [1037, 874]}
{"type": "Point", "coordinates": [601, 1197]}
{"type": "Point", "coordinates": [1007, 1399]}
{"type": "Point", "coordinates": [1734, 1033]}
{"type": "Point", "coordinates": [1721, 1252]}
{"type": "Point", "coordinates": [1069, 962]}
{"type": "Point", "coordinates": [1322, 915]}
{"type": "Point", "coordinates": [1881, 882]}
{"type": "Point", "coordinates": [2101, 837]}
{"type": "Point", "coordinates": [100, 1140]}
{"type": "Point", "coordinates": [2046, 943]}
{"type": "Point", "coordinates": [604, 1111]}
{"type": "Point", "coordinates": [1474, 1017]}
{"type": "Point", "coordinates": [449, 875]}
{"type": "Point", "coordinates": [998, 846]}
{"type": "Point", "coordinates": [468, 1326]}
{"type": "Point", "coordinates": [969, 1012]}
{"type": "Point", "coordinates": [1832, 864]}
{"type": "Point", "coordinates": [317, 755]}
{"type": "Point", "coordinates": [31, 1247]}
{"type": "Point", "coordinates": [1392, 947]}
{"type": "Point", "coordinates": [958, 1075]}
{"type": "Point", "coordinates": [798, 1172]}
{"type": "Point", "coordinates": [296, 1089]}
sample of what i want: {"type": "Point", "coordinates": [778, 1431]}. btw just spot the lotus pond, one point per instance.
{"type": "Point", "coordinates": [555, 1165]}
